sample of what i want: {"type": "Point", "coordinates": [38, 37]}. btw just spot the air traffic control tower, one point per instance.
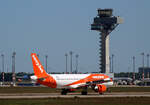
{"type": "Point", "coordinates": [105, 23]}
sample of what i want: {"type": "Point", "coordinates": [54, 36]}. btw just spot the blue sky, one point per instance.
{"type": "Point", "coordinates": [55, 27]}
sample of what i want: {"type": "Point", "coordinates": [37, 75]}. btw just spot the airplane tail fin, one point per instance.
{"type": "Point", "coordinates": [37, 67]}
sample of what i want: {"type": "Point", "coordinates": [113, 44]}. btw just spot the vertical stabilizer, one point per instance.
{"type": "Point", "coordinates": [37, 67]}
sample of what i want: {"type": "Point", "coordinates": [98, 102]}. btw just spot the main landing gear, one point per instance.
{"type": "Point", "coordinates": [84, 91]}
{"type": "Point", "coordinates": [64, 91]}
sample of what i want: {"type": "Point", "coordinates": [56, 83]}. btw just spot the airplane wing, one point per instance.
{"type": "Point", "coordinates": [91, 83]}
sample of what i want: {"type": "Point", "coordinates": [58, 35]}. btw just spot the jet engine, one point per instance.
{"type": "Point", "coordinates": [100, 88]}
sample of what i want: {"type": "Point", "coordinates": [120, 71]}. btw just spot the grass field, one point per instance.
{"type": "Point", "coordinates": [79, 101]}
{"type": "Point", "coordinates": [50, 90]}
{"type": "Point", "coordinates": [75, 100]}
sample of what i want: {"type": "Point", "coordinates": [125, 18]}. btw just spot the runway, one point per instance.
{"type": "Point", "coordinates": [72, 95]}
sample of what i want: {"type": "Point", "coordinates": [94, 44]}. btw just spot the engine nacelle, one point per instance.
{"type": "Point", "coordinates": [100, 88]}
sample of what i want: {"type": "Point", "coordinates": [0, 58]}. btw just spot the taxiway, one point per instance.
{"type": "Point", "coordinates": [72, 95]}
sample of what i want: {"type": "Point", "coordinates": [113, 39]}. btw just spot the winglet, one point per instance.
{"type": "Point", "coordinates": [37, 67]}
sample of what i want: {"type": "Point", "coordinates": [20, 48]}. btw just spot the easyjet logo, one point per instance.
{"type": "Point", "coordinates": [98, 77]}
{"type": "Point", "coordinates": [37, 63]}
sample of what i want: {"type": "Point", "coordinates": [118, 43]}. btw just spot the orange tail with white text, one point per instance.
{"type": "Point", "coordinates": [38, 68]}
{"type": "Point", "coordinates": [42, 77]}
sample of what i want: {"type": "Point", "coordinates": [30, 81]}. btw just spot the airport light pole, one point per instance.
{"type": "Point", "coordinates": [46, 56]}
{"type": "Point", "coordinates": [77, 56]}
{"type": "Point", "coordinates": [2, 62]}
{"type": "Point", "coordinates": [71, 61]}
{"type": "Point", "coordinates": [143, 65]}
{"type": "Point", "coordinates": [112, 63]}
{"type": "Point", "coordinates": [13, 68]}
{"type": "Point", "coordinates": [147, 60]}
{"type": "Point", "coordinates": [147, 65]}
{"type": "Point", "coordinates": [3, 65]}
{"type": "Point", "coordinates": [66, 55]}
{"type": "Point", "coordinates": [133, 67]}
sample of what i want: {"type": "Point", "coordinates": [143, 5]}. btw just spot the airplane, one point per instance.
{"type": "Point", "coordinates": [69, 82]}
